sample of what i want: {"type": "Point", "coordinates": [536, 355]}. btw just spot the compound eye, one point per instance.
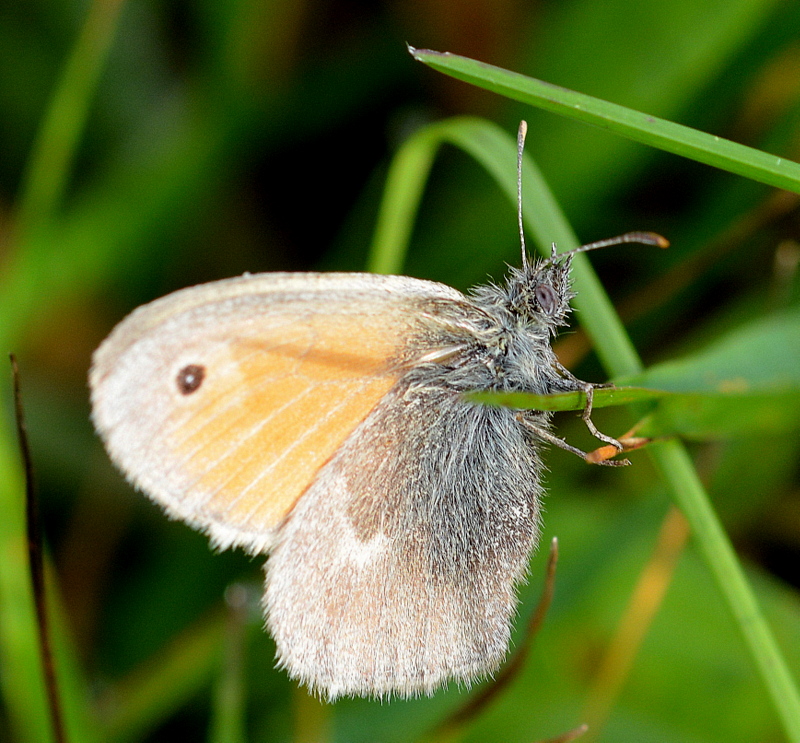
{"type": "Point", "coordinates": [546, 298]}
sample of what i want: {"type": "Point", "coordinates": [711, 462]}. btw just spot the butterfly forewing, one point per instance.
{"type": "Point", "coordinates": [288, 366]}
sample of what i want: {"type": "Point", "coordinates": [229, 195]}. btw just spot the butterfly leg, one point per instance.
{"type": "Point", "coordinates": [550, 438]}
{"type": "Point", "coordinates": [586, 416]}
{"type": "Point", "coordinates": [588, 389]}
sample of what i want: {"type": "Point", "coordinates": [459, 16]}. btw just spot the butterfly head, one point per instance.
{"type": "Point", "coordinates": [539, 293]}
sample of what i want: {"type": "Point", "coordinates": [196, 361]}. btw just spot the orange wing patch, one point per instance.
{"type": "Point", "coordinates": [251, 446]}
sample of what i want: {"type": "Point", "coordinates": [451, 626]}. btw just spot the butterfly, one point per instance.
{"type": "Point", "coordinates": [322, 419]}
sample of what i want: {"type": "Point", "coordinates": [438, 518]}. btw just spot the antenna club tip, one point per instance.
{"type": "Point", "coordinates": [647, 238]}
{"type": "Point", "coordinates": [658, 240]}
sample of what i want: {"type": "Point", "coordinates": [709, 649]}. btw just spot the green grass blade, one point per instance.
{"type": "Point", "coordinates": [677, 469]}
{"type": "Point", "coordinates": [603, 398]}
{"type": "Point", "coordinates": [762, 355]}
{"type": "Point", "coordinates": [229, 696]}
{"type": "Point", "coordinates": [50, 162]}
{"type": "Point", "coordinates": [598, 317]}
{"type": "Point", "coordinates": [21, 675]}
{"type": "Point", "coordinates": [640, 127]}
{"type": "Point", "coordinates": [153, 692]}
{"type": "Point", "coordinates": [405, 183]}
{"type": "Point", "coordinates": [22, 679]}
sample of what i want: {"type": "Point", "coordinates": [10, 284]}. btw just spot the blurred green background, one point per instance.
{"type": "Point", "coordinates": [148, 146]}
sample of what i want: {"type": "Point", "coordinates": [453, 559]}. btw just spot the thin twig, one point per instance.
{"type": "Point", "coordinates": [515, 664]}
{"type": "Point", "coordinates": [35, 557]}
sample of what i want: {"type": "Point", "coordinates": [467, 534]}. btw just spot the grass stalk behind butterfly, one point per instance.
{"type": "Point", "coordinates": [492, 147]}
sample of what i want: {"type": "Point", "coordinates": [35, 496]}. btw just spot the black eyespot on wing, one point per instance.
{"type": "Point", "coordinates": [190, 378]}
{"type": "Point", "coordinates": [546, 298]}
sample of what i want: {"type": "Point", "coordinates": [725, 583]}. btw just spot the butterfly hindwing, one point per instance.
{"type": "Point", "coordinates": [397, 569]}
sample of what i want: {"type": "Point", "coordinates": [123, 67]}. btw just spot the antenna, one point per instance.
{"type": "Point", "coordinates": [645, 238]}
{"type": "Point", "coordinates": [523, 130]}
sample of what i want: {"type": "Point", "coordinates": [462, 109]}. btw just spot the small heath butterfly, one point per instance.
{"type": "Point", "coordinates": [322, 419]}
